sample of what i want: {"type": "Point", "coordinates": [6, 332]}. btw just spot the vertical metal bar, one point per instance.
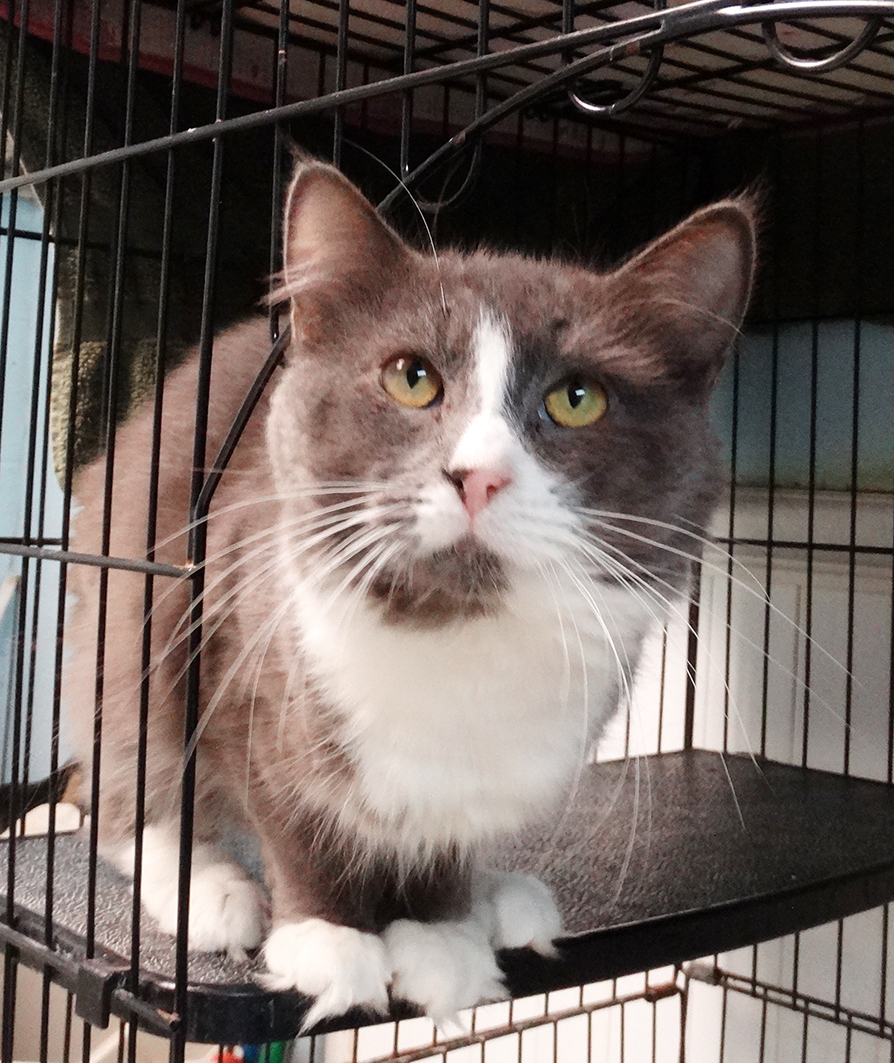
{"type": "Point", "coordinates": [517, 156]}
{"type": "Point", "coordinates": [890, 766]}
{"type": "Point", "coordinates": [811, 475]}
{"type": "Point", "coordinates": [14, 768]}
{"type": "Point", "coordinates": [197, 540]}
{"type": "Point", "coordinates": [78, 309]}
{"type": "Point", "coordinates": [692, 668]}
{"type": "Point", "coordinates": [341, 77]}
{"type": "Point", "coordinates": [280, 81]}
{"type": "Point", "coordinates": [554, 191]}
{"type": "Point", "coordinates": [66, 1032]}
{"type": "Point", "coordinates": [796, 961]}
{"type": "Point", "coordinates": [57, 126]}
{"type": "Point", "coordinates": [7, 87]}
{"type": "Point", "coordinates": [8, 1014]}
{"type": "Point", "coordinates": [855, 444]}
{"type": "Point", "coordinates": [44, 1048]}
{"type": "Point", "coordinates": [723, 1015]}
{"type": "Point", "coordinates": [854, 486]}
{"type": "Point", "coordinates": [111, 375]}
{"type": "Point", "coordinates": [883, 983]}
{"type": "Point", "coordinates": [623, 1031]}
{"type": "Point", "coordinates": [774, 284]}
{"type": "Point", "coordinates": [406, 117]}
{"type": "Point", "coordinates": [152, 514]}
{"type": "Point", "coordinates": [839, 967]}
{"type": "Point", "coordinates": [364, 106]}
{"type": "Point", "coordinates": [731, 529]}
{"type": "Point", "coordinates": [662, 680]}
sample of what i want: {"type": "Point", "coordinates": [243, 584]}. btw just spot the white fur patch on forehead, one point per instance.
{"type": "Point", "coordinates": [492, 350]}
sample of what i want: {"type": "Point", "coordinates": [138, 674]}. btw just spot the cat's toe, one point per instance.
{"type": "Point", "coordinates": [518, 911]}
{"type": "Point", "coordinates": [341, 967]}
{"type": "Point", "coordinates": [442, 967]}
{"type": "Point", "coordinates": [226, 910]}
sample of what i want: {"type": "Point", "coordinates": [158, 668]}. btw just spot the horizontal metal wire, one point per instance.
{"type": "Point", "coordinates": [152, 568]}
{"type": "Point", "coordinates": [818, 545]}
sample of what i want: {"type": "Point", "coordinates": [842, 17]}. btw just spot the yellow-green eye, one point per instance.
{"type": "Point", "coordinates": [412, 382]}
{"type": "Point", "coordinates": [575, 404]}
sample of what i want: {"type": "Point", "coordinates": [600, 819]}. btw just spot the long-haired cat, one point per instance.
{"type": "Point", "coordinates": [420, 602]}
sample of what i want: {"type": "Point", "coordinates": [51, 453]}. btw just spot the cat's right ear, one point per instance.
{"type": "Point", "coordinates": [338, 252]}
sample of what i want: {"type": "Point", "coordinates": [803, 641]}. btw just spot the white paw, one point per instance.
{"type": "Point", "coordinates": [442, 967]}
{"type": "Point", "coordinates": [518, 912]}
{"type": "Point", "coordinates": [342, 967]}
{"type": "Point", "coordinates": [225, 910]}
{"type": "Point", "coordinates": [226, 906]}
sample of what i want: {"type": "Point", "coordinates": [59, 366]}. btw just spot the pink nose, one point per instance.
{"type": "Point", "coordinates": [476, 487]}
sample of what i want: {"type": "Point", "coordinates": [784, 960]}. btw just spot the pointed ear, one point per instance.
{"type": "Point", "coordinates": [337, 249]}
{"type": "Point", "coordinates": [690, 288]}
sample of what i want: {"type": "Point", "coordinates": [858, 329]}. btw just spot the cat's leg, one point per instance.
{"type": "Point", "coordinates": [323, 942]}
{"type": "Point", "coordinates": [226, 906]}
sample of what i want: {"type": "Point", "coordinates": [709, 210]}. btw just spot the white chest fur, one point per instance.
{"type": "Point", "coordinates": [470, 731]}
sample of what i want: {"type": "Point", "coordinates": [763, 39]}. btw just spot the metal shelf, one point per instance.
{"type": "Point", "coordinates": [657, 860]}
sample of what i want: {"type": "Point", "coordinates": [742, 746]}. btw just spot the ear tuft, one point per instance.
{"type": "Point", "coordinates": [695, 282]}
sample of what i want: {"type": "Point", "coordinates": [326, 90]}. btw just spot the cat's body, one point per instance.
{"type": "Point", "coordinates": [411, 637]}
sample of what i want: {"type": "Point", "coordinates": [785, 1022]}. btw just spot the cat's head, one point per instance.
{"type": "Point", "coordinates": [445, 423]}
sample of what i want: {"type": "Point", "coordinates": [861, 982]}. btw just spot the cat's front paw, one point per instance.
{"type": "Point", "coordinates": [517, 912]}
{"type": "Point", "coordinates": [226, 906]}
{"type": "Point", "coordinates": [226, 910]}
{"type": "Point", "coordinates": [341, 967]}
{"type": "Point", "coordinates": [442, 967]}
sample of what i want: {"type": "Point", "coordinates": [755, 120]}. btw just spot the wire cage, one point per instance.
{"type": "Point", "coordinates": [726, 865]}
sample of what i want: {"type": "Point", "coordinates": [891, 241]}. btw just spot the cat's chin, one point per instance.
{"type": "Point", "coordinates": [461, 582]}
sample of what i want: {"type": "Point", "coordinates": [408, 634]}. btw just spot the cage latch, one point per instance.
{"type": "Point", "coordinates": [97, 980]}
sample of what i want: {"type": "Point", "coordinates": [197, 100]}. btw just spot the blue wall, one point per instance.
{"type": "Point", "coordinates": [836, 344]}
{"type": "Point", "coordinates": [22, 391]}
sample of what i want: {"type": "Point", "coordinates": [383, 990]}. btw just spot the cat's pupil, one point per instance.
{"type": "Point", "coordinates": [576, 395]}
{"type": "Point", "coordinates": [415, 373]}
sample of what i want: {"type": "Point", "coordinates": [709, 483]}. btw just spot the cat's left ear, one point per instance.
{"type": "Point", "coordinates": [690, 288]}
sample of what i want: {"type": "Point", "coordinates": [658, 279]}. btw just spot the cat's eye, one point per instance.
{"type": "Point", "coordinates": [412, 382]}
{"type": "Point", "coordinates": [576, 403]}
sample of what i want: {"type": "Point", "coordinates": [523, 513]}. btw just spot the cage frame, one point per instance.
{"type": "Point", "coordinates": [103, 983]}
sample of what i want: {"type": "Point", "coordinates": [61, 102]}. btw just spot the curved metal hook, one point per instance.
{"type": "Point", "coordinates": [818, 66]}
{"type": "Point", "coordinates": [606, 110]}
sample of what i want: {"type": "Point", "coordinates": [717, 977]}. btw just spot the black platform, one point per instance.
{"type": "Point", "coordinates": [655, 861]}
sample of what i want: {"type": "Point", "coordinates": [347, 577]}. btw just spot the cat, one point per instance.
{"type": "Point", "coordinates": [422, 598]}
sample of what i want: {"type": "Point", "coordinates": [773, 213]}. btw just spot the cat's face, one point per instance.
{"type": "Point", "coordinates": [444, 424]}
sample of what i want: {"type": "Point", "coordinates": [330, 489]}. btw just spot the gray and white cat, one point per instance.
{"type": "Point", "coordinates": [422, 601]}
